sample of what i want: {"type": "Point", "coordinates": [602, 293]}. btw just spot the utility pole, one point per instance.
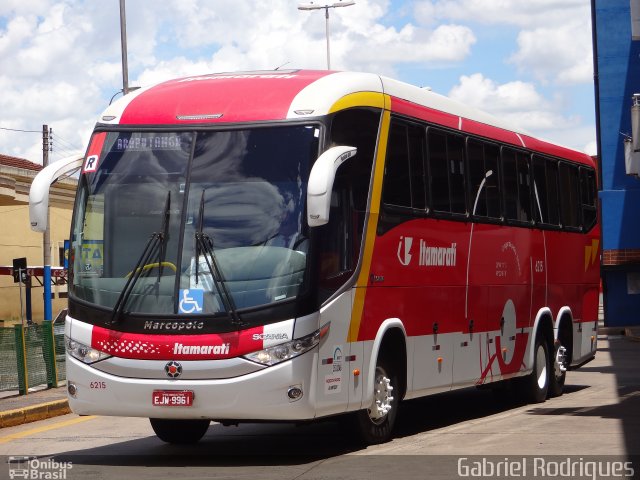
{"type": "Point", "coordinates": [123, 46]}
{"type": "Point", "coordinates": [46, 239]}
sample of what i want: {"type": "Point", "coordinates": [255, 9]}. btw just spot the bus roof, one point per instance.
{"type": "Point", "coordinates": [264, 96]}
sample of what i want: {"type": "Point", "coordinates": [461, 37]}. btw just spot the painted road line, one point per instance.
{"type": "Point", "coordinates": [46, 428]}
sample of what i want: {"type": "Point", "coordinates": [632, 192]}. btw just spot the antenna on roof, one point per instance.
{"type": "Point", "coordinates": [285, 63]}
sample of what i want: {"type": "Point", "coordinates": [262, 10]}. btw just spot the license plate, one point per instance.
{"type": "Point", "coordinates": [172, 398]}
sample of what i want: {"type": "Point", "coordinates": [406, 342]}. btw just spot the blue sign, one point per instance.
{"type": "Point", "coordinates": [191, 300]}
{"type": "Point", "coordinates": [67, 244]}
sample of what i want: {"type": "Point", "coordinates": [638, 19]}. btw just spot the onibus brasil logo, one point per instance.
{"type": "Point", "coordinates": [37, 468]}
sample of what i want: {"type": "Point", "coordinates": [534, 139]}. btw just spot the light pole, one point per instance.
{"type": "Point", "coordinates": [123, 46]}
{"type": "Point", "coordinates": [313, 6]}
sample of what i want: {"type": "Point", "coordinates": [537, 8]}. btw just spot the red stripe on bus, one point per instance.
{"type": "Point", "coordinates": [142, 346]}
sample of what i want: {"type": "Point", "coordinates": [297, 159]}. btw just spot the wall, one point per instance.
{"type": "Point", "coordinates": [617, 79]}
{"type": "Point", "coordinates": [18, 240]}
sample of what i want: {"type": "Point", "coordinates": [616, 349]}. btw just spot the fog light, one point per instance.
{"type": "Point", "coordinates": [72, 389]}
{"type": "Point", "coordinates": [294, 393]}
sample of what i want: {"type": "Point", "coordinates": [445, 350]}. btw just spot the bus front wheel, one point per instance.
{"type": "Point", "coordinates": [179, 431]}
{"type": "Point", "coordinates": [375, 424]}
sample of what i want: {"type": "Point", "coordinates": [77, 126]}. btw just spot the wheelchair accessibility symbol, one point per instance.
{"type": "Point", "coordinates": [191, 300]}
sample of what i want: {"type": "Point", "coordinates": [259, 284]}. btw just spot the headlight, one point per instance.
{"type": "Point", "coordinates": [84, 353]}
{"type": "Point", "coordinates": [289, 350]}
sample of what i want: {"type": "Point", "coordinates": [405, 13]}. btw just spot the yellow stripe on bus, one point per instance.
{"type": "Point", "coordinates": [376, 194]}
{"type": "Point", "coordinates": [359, 99]}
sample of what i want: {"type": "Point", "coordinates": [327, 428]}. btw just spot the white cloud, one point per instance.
{"type": "Point", "coordinates": [60, 59]}
{"type": "Point", "coordinates": [520, 104]}
{"type": "Point", "coordinates": [554, 42]}
{"type": "Point", "coordinates": [558, 54]}
{"type": "Point", "coordinates": [591, 148]}
{"type": "Point", "coordinates": [527, 14]}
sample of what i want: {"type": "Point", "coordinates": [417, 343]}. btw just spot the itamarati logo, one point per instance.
{"type": "Point", "coordinates": [180, 349]}
{"type": "Point", "coordinates": [429, 255]}
{"type": "Point", "coordinates": [437, 256]}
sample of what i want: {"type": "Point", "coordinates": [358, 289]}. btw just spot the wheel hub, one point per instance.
{"type": "Point", "coordinates": [382, 398]}
{"type": "Point", "coordinates": [560, 364]}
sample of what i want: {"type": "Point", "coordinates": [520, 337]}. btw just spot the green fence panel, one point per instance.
{"type": "Point", "coordinates": [21, 359]}
{"type": "Point", "coordinates": [8, 361]}
{"type": "Point", "coordinates": [32, 356]}
{"type": "Point", "coordinates": [36, 361]}
{"type": "Point", "coordinates": [49, 353]}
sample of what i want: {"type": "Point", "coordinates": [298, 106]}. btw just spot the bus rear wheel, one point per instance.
{"type": "Point", "coordinates": [179, 431]}
{"type": "Point", "coordinates": [559, 373]}
{"type": "Point", "coordinates": [375, 424]}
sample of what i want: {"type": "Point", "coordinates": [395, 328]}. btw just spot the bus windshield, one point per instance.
{"type": "Point", "coordinates": [151, 195]}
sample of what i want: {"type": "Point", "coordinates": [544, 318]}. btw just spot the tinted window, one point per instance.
{"type": "Point", "coordinates": [397, 171]}
{"type": "Point", "coordinates": [589, 196]}
{"type": "Point", "coordinates": [446, 170]}
{"type": "Point", "coordinates": [483, 175]}
{"type": "Point", "coordinates": [404, 178]}
{"type": "Point", "coordinates": [517, 184]}
{"type": "Point", "coordinates": [545, 192]}
{"type": "Point", "coordinates": [341, 238]}
{"type": "Point", "coordinates": [569, 204]}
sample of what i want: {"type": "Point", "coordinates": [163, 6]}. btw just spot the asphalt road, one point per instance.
{"type": "Point", "coordinates": [595, 424]}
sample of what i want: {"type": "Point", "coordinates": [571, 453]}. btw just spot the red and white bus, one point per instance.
{"type": "Point", "coordinates": [292, 245]}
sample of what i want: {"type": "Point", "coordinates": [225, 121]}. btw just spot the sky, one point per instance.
{"type": "Point", "coordinates": [529, 62]}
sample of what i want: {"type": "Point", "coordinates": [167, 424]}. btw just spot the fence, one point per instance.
{"type": "Point", "coordinates": [32, 356]}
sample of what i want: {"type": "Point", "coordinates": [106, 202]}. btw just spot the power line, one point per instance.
{"type": "Point", "coordinates": [65, 142]}
{"type": "Point", "coordinates": [20, 130]}
{"type": "Point", "coordinates": [63, 152]}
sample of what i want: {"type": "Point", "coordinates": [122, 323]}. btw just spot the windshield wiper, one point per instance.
{"type": "Point", "coordinates": [156, 239]}
{"type": "Point", "coordinates": [204, 244]}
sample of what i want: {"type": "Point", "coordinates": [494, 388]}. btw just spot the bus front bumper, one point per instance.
{"type": "Point", "coordinates": [262, 395]}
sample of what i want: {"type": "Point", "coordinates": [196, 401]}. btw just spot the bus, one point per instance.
{"type": "Point", "coordinates": [295, 245]}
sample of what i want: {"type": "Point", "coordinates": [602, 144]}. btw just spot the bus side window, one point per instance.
{"type": "Point", "coordinates": [589, 198]}
{"type": "Point", "coordinates": [570, 204]}
{"type": "Point", "coordinates": [446, 172]}
{"type": "Point", "coordinates": [341, 238]}
{"type": "Point", "coordinates": [404, 175]}
{"type": "Point", "coordinates": [483, 176]}
{"type": "Point", "coordinates": [396, 190]}
{"type": "Point", "coordinates": [517, 185]}
{"type": "Point", "coordinates": [545, 174]}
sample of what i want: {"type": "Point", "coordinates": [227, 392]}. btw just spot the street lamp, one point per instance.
{"type": "Point", "coordinates": [313, 6]}
{"type": "Point", "coordinates": [123, 47]}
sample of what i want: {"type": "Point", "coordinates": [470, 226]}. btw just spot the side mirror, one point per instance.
{"type": "Point", "coordinates": [320, 185]}
{"type": "Point", "coordinates": [39, 192]}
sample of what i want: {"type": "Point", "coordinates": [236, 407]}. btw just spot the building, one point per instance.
{"type": "Point", "coordinates": [18, 240]}
{"type": "Point", "coordinates": [616, 42]}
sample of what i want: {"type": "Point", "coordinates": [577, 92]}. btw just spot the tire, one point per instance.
{"type": "Point", "coordinates": [558, 373]}
{"type": "Point", "coordinates": [179, 431]}
{"type": "Point", "coordinates": [375, 424]}
{"type": "Point", "coordinates": [535, 386]}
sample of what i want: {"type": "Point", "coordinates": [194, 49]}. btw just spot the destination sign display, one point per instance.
{"type": "Point", "coordinates": [149, 142]}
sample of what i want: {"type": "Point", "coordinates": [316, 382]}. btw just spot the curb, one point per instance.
{"type": "Point", "coordinates": [19, 416]}
{"type": "Point", "coordinates": [631, 335]}
{"type": "Point", "coordinates": [612, 331]}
